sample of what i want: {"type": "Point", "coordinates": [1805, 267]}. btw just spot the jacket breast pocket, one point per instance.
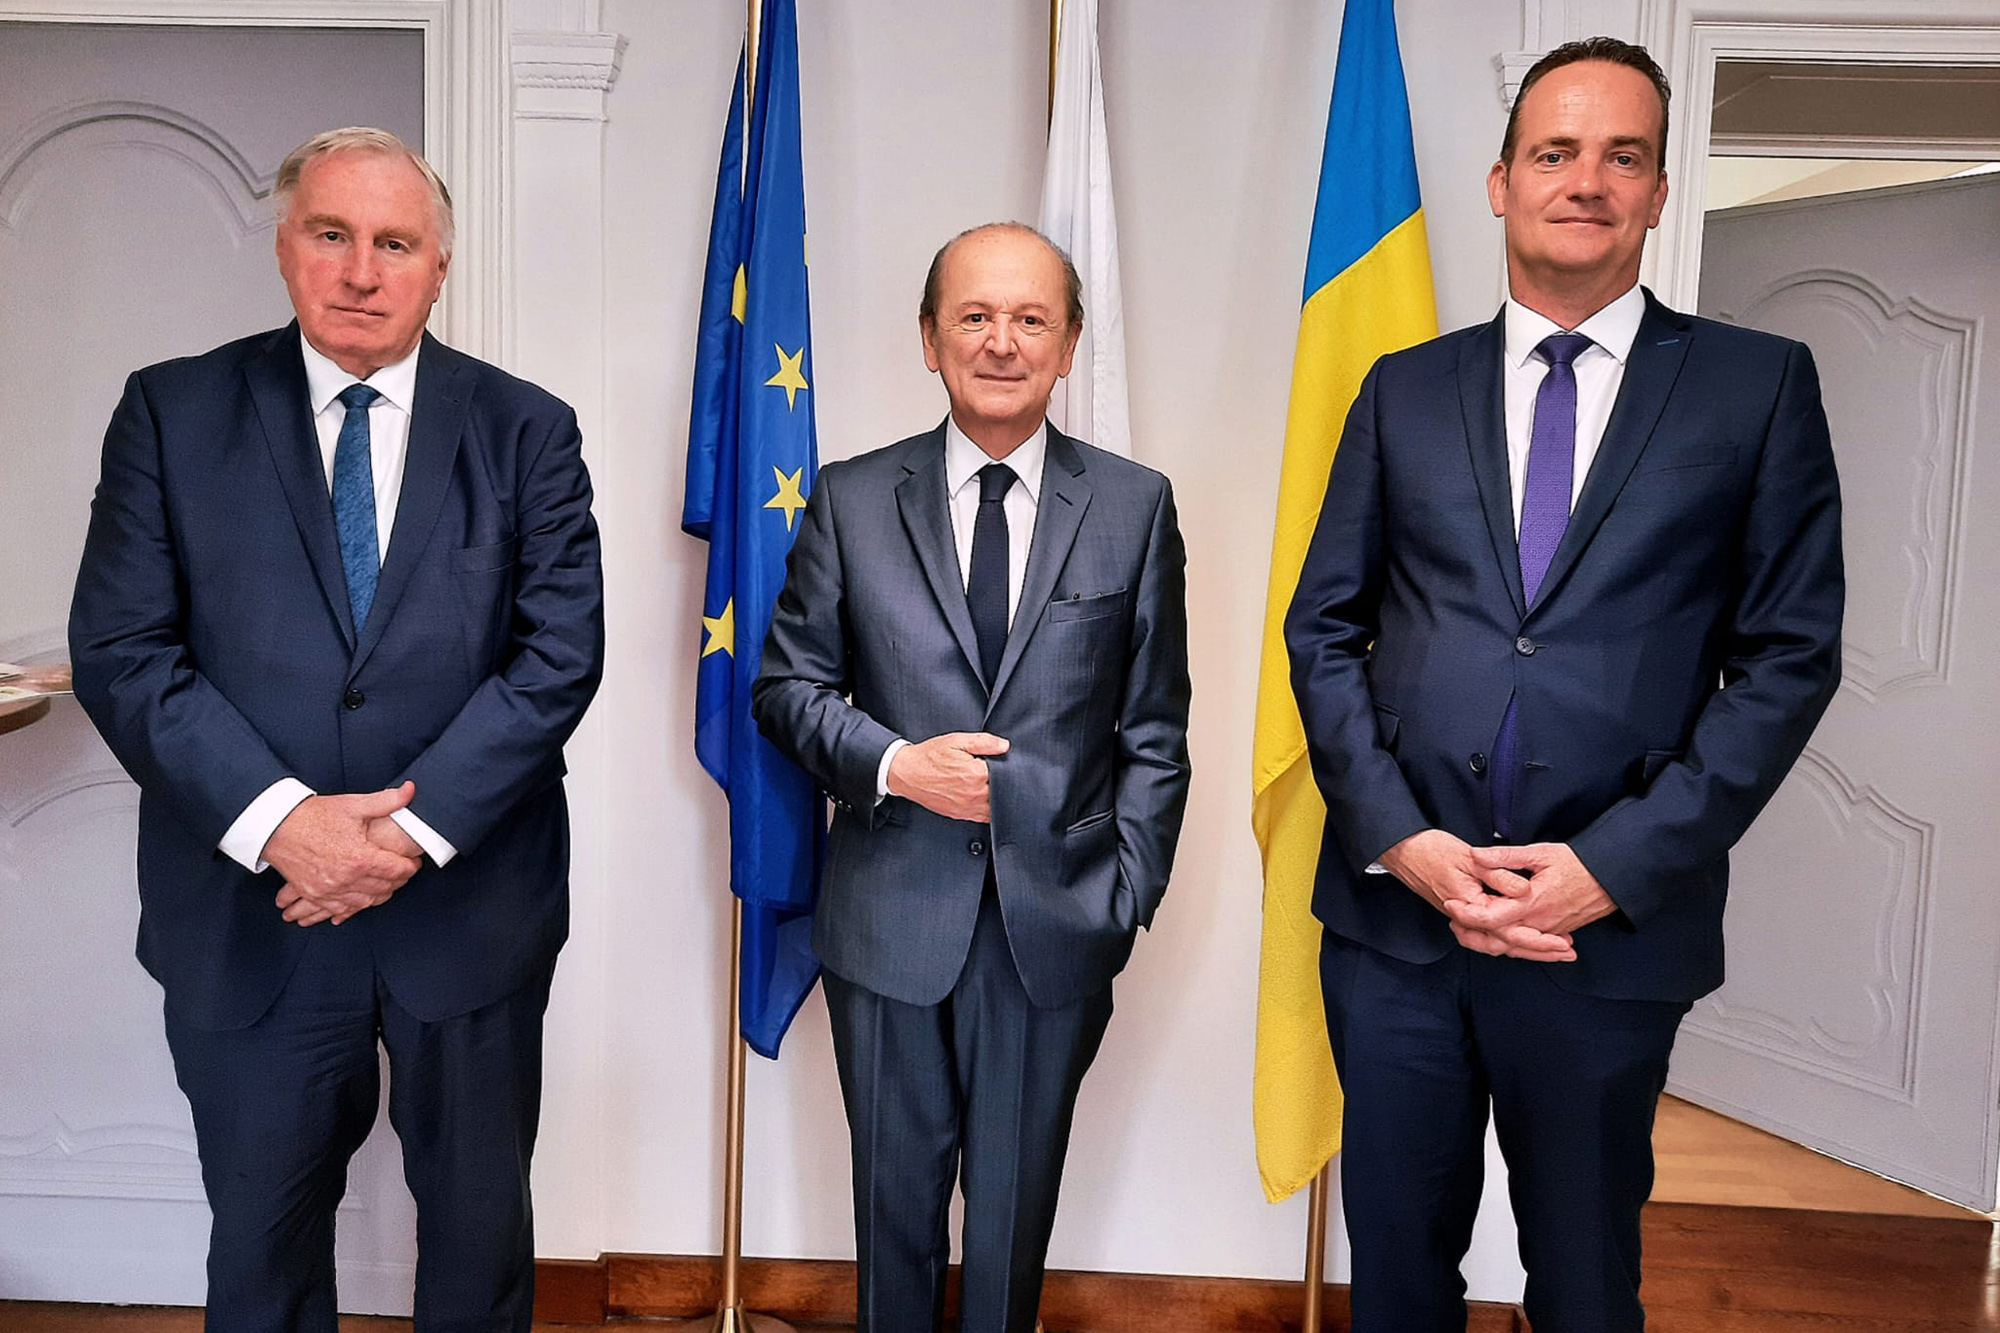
{"type": "Point", "coordinates": [1086, 606]}
{"type": "Point", "coordinates": [483, 559]}
{"type": "Point", "coordinates": [1679, 460]}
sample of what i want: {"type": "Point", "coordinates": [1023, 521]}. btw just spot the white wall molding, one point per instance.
{"type": "Point", "coordinates": [1689, 37]}
{"type": "Point", "coordinates": [1545, 25]}
{"type": "Point", "coordinates": [564, 75]}
{"type": "Point", "coordinates": [466, 126]}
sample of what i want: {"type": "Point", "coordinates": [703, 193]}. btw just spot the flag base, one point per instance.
{"type": "Point", "coordinates": [731, 1319]}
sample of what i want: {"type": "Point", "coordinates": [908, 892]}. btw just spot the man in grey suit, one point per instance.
{"type": "Point", "coordinates": [981, 653]}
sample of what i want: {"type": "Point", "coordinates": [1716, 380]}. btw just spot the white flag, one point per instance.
{"type": "Point", "coordinates": [1090, 403]}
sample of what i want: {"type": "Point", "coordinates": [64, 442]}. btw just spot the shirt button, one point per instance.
{"type": "Point", "coordinates": [1525, 646]}
{"type": "Point", "coordinates": [976, 847]}
{"type": "Point", "coordinates": [1477, 763]}
{"type": "Point", "coordinates": [354, 698]}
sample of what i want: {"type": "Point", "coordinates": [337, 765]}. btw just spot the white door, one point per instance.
{"type": "Point", "coordinates": [135, 225]}
{"type": "Point", "coordinates": [1864, 923]}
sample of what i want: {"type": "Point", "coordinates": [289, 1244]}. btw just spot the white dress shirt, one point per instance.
{"type": "Point", "coordinates": [962, 461]}
{"type": "Point", "coordinates": [1599, 368]}
{"type": "Point", "coordinates": [388, 446]}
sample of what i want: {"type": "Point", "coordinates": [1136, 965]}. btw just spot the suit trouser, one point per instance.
{"type": "Point", "coordinates": [1573, 1081]}
{"type": "Point", "coordinates": [280, 1107]}
{"type": "Point", "coordinates": [987, 1075]}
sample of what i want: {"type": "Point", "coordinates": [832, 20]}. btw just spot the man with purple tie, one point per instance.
{"type": "Point", "coordinates": [1570, 613]}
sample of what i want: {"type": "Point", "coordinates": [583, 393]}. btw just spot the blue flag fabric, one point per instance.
{"type": "Point", "coordinates": [753, 455]}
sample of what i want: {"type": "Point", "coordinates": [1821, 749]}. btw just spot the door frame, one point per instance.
{"type": "Point", "coordinates": [467, 118]}
{"type": "Point", "coordinates": [1688, 37]}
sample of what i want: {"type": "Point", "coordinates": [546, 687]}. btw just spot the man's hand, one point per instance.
{"type": "Point", "coordinates": [947, 774]}
{"type": "Point", "coordinates": [332, 867]}
{"type": "Point", "coordinates": [1541, 886]}
{"type": "Point", "coordinates": [1446, 872]}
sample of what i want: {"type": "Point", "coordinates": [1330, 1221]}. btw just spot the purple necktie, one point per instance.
{"type": "Point", "coordinates": [1545, 499]}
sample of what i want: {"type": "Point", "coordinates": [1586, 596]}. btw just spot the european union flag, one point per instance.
{"type": "Point", "coordinates": [752, 458]}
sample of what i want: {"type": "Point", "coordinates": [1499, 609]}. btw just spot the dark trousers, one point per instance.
{"type": "Point", "coordinates": [280, 1107]}
{"type": "Point", "coordinates": [1572, 1081]}
{"type": "Point", "coordinates": [980, 1087]}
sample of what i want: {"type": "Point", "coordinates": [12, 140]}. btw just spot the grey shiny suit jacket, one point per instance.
{"type": "Point", "coordinates": [871, 639]}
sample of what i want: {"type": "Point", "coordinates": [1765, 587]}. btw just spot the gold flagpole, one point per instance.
{"type": "Point", "coordinates": [1055, 32]}
{"type": "Point", "coordinates": [1316, 1247]}
{"type": "Point", "coordinates": [730, 1316]}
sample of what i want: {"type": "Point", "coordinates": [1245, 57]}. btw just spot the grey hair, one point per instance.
{"type": "Point", "coordinates": [361, 139]}
{"type": "Point", "coordinates": [1072, 281]}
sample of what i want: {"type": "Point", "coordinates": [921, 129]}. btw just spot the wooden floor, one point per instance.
{"type": "Point", "coordinates": [1746, 1234]}
{"type": "Point", "coordinates": [1701, 1157]}
{"type": "Point", "coordinates": [32, 1317]}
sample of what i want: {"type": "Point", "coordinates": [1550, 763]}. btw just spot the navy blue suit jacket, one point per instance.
{"type": "Point", "coordinates": [1683, 645]}
{"type": "Point", "coordinates": [215, 650]}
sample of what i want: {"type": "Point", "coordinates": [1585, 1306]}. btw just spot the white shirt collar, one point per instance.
{"type": "Point", "coordinates": [1614, 328]}
{"type": "Point", "coordinates": [963, 458]}
{"type": "Point", "coordinates": [325, 380]}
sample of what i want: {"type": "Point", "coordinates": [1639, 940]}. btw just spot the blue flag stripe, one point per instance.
{"type": "Point", "coordinates": [752, 425]}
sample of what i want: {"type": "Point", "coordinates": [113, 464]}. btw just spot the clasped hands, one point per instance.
{"type": "Point", "coordinates": [342, 854]}
{"type": "Point", "coordinates": [1516, 902]}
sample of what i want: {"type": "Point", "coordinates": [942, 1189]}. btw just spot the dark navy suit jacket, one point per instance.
{"type": "Point", "coordinates": [1683, 645]}
{"type": "Point", "coordinates": [214, 649]}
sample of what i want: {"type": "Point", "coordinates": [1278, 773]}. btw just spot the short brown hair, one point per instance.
{"type": "Point", "coordinates": [1607, 49]}
{"type": "Point", "coordinates": [1072, 281]}
{"type": "Point", "coordinates": [361, 139]}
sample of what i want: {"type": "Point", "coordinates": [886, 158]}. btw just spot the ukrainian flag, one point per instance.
{"type": "Point", "coordinates": [753, 454]}
{"type": "Point", "coordinates": [1367, 292]}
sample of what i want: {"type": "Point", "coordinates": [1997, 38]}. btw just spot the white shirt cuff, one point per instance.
{"type": "Point", "coordinates": [244, 842]}
{"type": "Point", "coordinates": [426, 837]}
{"type": "Point", "coordinates": [882, 772]}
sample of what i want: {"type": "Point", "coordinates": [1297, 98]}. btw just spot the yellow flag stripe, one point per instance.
{"type": "Point", "coordinates": [1380, 303]}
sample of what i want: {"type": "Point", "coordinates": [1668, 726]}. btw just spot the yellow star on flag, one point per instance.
{"type": "Point", "coordinates": [790, 377]}
{"type": "Point", "coordinates": [788, 497]}
{"type": "Point", "coordinates": [721, 630]}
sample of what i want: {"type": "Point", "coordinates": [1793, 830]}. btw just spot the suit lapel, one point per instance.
{"type": "Point", "coordinates": [1650, 371]}
{"type": "Point", "coordinates": [1059, 511]}
{"type": "Point", "coordinates": [921, 499]}
{"type": "Point", "coordinates": [277, 377]}
{"type": "Point", "coordinates": [437, 419]}
{"type": "Point", "coordinates": [1479, 397]}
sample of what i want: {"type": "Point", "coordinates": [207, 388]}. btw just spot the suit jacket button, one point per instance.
{"type": "Point", "coordinates": [1525, 646]}
{"type": "Point", "coordinates": [354, 698]}
{"type": "Point", "coordinates": [1477, 763]}
{"type": "Point", "coordinates": [976, 847]}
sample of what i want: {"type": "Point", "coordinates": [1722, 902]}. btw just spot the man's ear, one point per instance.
{"type": "Point", "coordinates": [927, 330]}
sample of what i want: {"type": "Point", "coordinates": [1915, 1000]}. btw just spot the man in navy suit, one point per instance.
{"type": "Point", "coordinates": [338, 611]}
{"type": "Point", "coordinates": [1571, 612]}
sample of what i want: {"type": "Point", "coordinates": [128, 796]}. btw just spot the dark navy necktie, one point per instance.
{"type": "Point", "coordinates": [1545, 497]}
{"type": "Point", "coordinates": [354, 502]}
{"type": "Point", "coordinates": [986, 584]}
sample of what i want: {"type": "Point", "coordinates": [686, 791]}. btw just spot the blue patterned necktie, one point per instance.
{"type": "Point", "coordinates": [1545, 497]}
{"type": "Point", "coordinates": [354, 502]}
{"type": "Point", "coordinates": [986, 583]}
